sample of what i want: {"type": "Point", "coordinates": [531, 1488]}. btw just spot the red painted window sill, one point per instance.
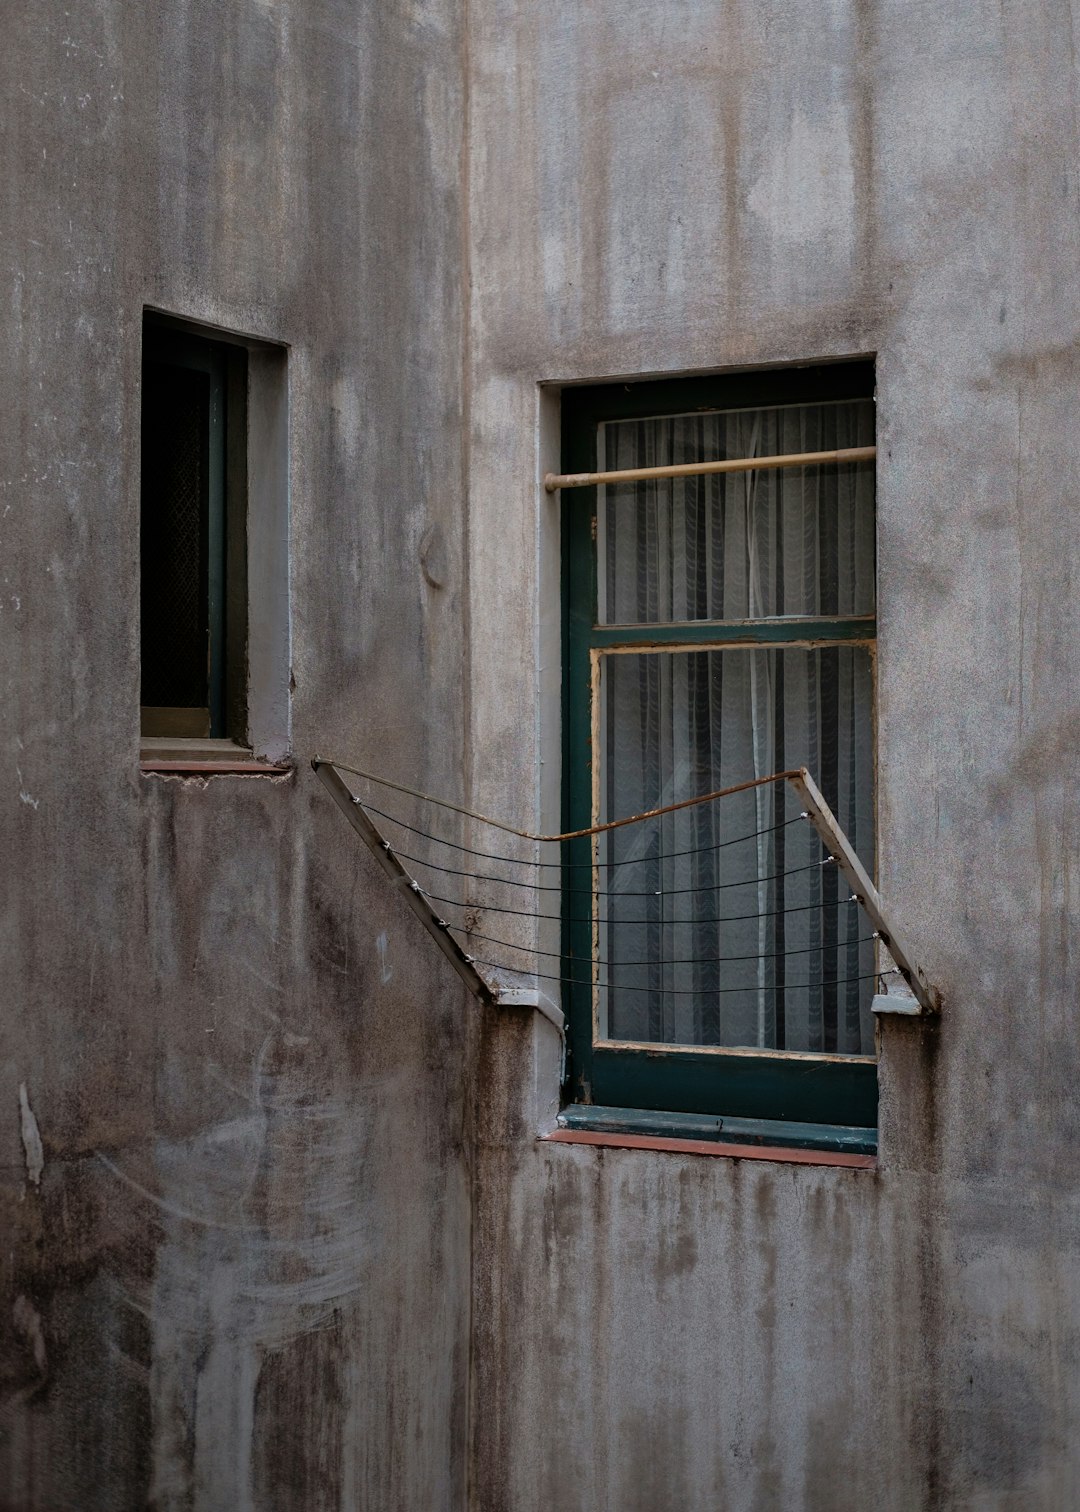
{"type": "Point", "coordinates": [781, 1154]}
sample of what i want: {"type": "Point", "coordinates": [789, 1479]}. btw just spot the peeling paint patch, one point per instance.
{"type": "Point", "coordinates": [27, 1321]}
{"type": "Point", "coordinates": [24, 795]}
{"type": "Point", "coordinates": [31, 1138]}
{"type": "Point", "coordinates": [386, 971]}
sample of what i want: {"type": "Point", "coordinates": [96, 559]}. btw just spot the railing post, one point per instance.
{"type": "Point", "coordinates": [866, 894]}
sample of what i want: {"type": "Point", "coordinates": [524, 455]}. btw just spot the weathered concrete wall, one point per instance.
{"type": "Point", "coordinates": [667, 187]}
{"type": "Point", "coordinates": [237, 1192]}
{"type": "Point", "coordinates": [240, 1277]}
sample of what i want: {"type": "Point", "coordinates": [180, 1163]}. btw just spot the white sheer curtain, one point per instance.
{"type": "Point", "coordinates": [718, 925]}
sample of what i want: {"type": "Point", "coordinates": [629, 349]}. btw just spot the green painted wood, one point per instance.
{"type": "Point", "coordinates": [640, 1121]}
{"type": "Point", "coordinates": [751, 390]}
{"type": "Point", "coordinates": [774, 632]}
{"type": "Point", "coordinates": [746, 1087]}
{"type": "Point", "coordinates": [579, 616]}
{"type": "Point", "coordinates": [750, 1131]}
{"type": "Point", "coordinates": [739, 1086]}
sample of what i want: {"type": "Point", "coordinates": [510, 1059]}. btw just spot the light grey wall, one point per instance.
{"type": "Point", "coordinates": [673, 186]}
{"type": "Point", "coordinates": [241, 1280]}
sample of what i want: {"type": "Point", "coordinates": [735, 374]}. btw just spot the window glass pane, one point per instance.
{"type": "Point", "coordinates": [718, 924]}
{"type": "Point", "coordinates": [737, 545]}
{"type": "Point", "coordinates": [174, 545]}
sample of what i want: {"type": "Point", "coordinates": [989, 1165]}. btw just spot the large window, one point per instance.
{"type": "Point", "coordinates": [718, 629]}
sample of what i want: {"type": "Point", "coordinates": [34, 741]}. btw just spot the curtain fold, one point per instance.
{"type": "Point", "coordinates": [718, 924]}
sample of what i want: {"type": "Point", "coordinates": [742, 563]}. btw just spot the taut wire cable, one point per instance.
{"type": "Point", "coordinates": [579, 834]}
{"type": "Point", "coordinates": [699, 850]}
{"type": "Point", "coordinates": [521, 913]}
{"type": "Point", "coordinates": [837, 944]}
{"type": "Point", "coordinates": [697, 992]}
{"type": "Point", "coordinates": [588, 892]}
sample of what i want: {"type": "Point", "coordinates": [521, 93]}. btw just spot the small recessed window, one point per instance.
{"type": "Point", "coordinates": [193, 536]}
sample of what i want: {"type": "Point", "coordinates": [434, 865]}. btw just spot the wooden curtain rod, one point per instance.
{"type": "Point", "coordinates": [553, 481]}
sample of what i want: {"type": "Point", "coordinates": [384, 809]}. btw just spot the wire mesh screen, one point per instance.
{"type": "Point", "coordinates": [175, 495]}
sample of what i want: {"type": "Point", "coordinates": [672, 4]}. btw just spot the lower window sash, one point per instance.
{"type": "Point", "coordinates": [775, 1087]}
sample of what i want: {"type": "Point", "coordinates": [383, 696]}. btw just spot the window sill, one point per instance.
{"type": "Point", "coordinates": [782, 1154]}
{"type": "Point", "coordinates": [750, 1138]}
{"type": "Point", "coordinates": [204, 758]}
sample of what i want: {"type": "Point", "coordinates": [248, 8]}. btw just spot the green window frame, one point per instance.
{"type": "Point", "coordinates": [783, 1097]}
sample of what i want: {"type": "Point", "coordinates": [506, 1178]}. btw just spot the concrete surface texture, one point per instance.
{"type": "Point", "coordinates": [236, 1267]}
{"type": "Point", "coordinates": [278, 1230]}
{"type": "Point", "coordinates": [676, 186]}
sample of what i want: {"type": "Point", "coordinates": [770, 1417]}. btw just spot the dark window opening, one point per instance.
{"type": "Point", "coordinates": [193, 610]}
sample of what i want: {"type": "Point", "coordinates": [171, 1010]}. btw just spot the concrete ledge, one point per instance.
{"type": "Point", "coordinates": [210, 768]}
{"type": "Point", "coordinates": [530, 997]}
{"type": "Point", "coordinates": [179, 754]}
{"type": "Point", "coordinates": [887, 1002]}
